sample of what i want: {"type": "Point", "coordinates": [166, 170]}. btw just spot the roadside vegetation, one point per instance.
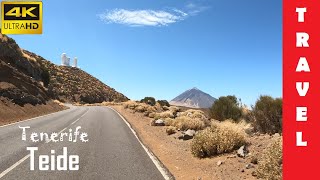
{"type": "Point", "coordinates": [229, 127]}
{"type": "Point", "coordinates": [226, 107]}
{"type": "Point", "coordinates": [219, 138]}
{"type": "Point", "coordinates": [270, 165]}
{"type": "Point", "coordinates": [266, 115]}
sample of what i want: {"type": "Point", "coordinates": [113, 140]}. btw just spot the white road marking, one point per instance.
{"type": "Point", "coordinates": [154, 159]}
{"type": "Point", "coordinates": [13, 166]}
{"type": "Point", "coordinates": [27, 156]}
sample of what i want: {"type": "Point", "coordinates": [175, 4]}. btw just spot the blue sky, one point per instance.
{"type": "Point", "coordinates": [162, 48]}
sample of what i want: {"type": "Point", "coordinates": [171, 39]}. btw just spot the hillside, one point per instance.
{"type": "Point", "coordinates": [22, 94]}
{"type": "Point", "coordinates": [72, 84]}
{"type": "Point", "coordinates": [193, 98]}
{"type": "Point", "coordinates": [30, 83]}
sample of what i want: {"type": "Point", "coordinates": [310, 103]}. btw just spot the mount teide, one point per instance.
{"type": "Point", "coordinates": [193, 98]}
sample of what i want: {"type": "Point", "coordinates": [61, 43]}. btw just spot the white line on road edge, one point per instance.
{"type": "Point", "coordinates": [27, 156]}
{"type": "Point", "coordinates": [154, 159]}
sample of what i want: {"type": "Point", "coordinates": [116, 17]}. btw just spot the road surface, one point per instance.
{"type": "Point", "coordinates": [112, 152]}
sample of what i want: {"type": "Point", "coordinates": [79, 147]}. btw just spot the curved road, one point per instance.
{"type": "Point", "coordinates": [112, 152]}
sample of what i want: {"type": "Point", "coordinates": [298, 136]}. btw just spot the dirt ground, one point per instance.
{"type": "Point", "coordinates": [176, 154]}
{"type": "Point", "coordinates": [10, 112]}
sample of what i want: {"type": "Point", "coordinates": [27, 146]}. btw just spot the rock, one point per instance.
{"type": "Point", "coordinates": [242, 170]}
{"type": "Point", "coordinates": [249, 166]}
{"type": "Point", "coordinates": [188, 134]}
{"type": "Point", "coordinates": [159, 122]}
{"type": "Point", "coordinates": [219, 163]}
{"type": "Point", "coordinates": [242, 151]}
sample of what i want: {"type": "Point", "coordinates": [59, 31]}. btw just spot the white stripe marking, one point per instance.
{"type": "Point", "coordinates": [27, 156]}
{"type": "Point", "coordinates": [150, 154]}
{"type": "Point", "coordinates": [14, 166]}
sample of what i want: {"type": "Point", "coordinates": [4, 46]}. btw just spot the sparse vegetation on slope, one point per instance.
{"type": "Point", "coordinates": [75, 85]}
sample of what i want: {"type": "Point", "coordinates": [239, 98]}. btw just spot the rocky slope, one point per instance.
{"type": "Point", "coordinates": [71, 84]}
{"type": "Point", "coordinates": [193, 98]}
{"type": "Point", "coordinates": [30, 83]}
{"type": "Point", "coordinates": [20, 77]}
{"type": "Point", "coordinates": [22, 91]}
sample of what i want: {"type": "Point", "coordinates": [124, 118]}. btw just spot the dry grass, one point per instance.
{"type": "Point", "coordinates": [152, 115]}
{"type": "Point", "coordinates": [27, 56]}
{"type": "Point", "coordinates": [163, 115]}
{"type": "Point", "coordinates": [270, 164]}
{"type": "Point", "coordinates": [174, 109]}
{"type": "Point", "coordinates": [184, 123]}
{"type": "Point", "coordinates": [130, 105]}
{"type": "Point", "coordinates": [171, 130]}
{"type": "Point", "coordinates": [194, 114]}
{"type": "Point", "coordinates": [140, 107]}
{"type": "Point", "coordinates": [105, 103]}
{"type": "Point", "coordinates": [220, 138]}
{"type": "Point", "coordinates": [58, 102]}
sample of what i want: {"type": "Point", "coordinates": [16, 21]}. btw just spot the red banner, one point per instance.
{"type": "Point", "coordinates": [301, 89]}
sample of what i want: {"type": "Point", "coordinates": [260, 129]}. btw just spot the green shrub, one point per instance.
{"type": "Point", "coordinates": [270, 165]}
{"type": "Point", "coordinates": [163, 103]}
{"type": "Point", "coordinates": [266, 115]}
{"type": "Point", "coordinates": [219, 138]}
{"type": "Point", "coordinates": [226, 107]}
{"type": "Point", "coordinates": [149, 100]}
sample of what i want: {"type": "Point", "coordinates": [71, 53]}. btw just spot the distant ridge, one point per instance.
{"type": "Point", "coordinates": [194, 98]}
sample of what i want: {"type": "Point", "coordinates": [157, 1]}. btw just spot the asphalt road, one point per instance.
{"type": "Point", "coordinates": [112, 152]}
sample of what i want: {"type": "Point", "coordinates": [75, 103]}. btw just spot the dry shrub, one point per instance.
{"type": "Point", "coordinates": [174, 109]}
{"type": "Point", "coordinates": [242, 126]}
{"type": "Point", "coordinates": [152, 115]}
{"type": "Point", "coordinates": [194, 114]}
{"type": "Point", "coordinates": [220, 138]}
{"type": "Point", "coordinates": [58, 102]}
{"type": "Point", "coordinates": [151, 109]}
{"type": "Point", "coordinates": [270, 164]}
{"type": "Point", "coordinates": [185, 123]}
{"type": "Point", "coordinates": [106, 103]}
{"type": "Point", "coordinates": [266, 115]}
{"type": "Point", "coordinates": [170, 130]}
{"type": "Point", "coordinates": [163, 115]}
{"type": "Point", "coordinates": [140, 108]}
{"type": "Point", "coordinates": [169, 122]}
{"type": "Point", "coordinates": [165, 108]}
{"type": "Point", "coordinates": [130, 105]}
